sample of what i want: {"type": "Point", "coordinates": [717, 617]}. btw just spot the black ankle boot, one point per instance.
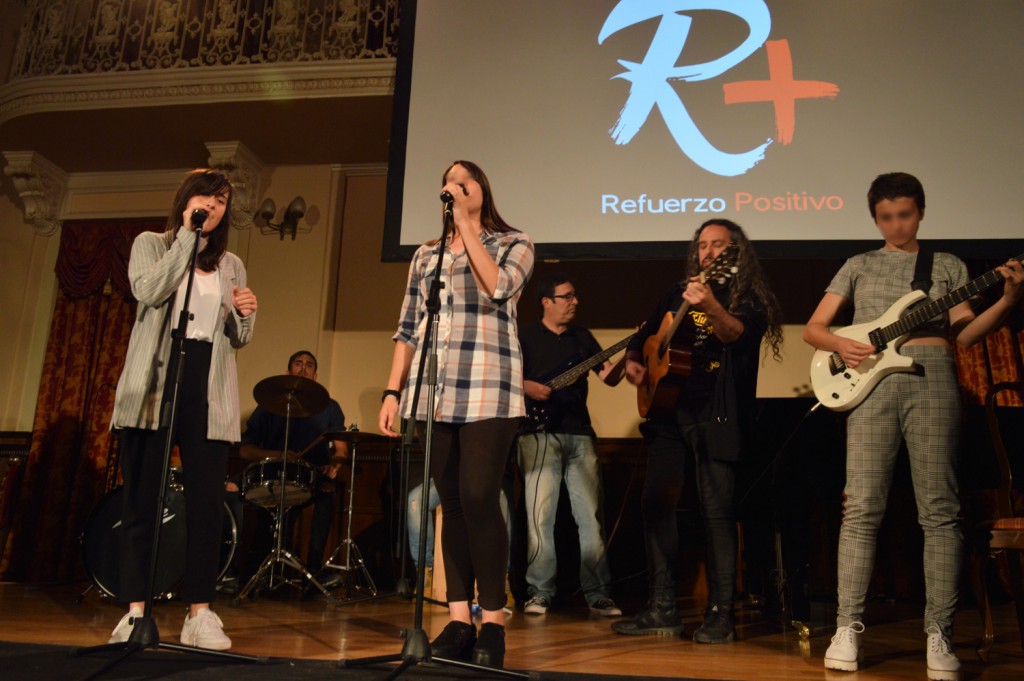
{"type": "Point", "coordinates": [490, 646]}
{"type": "Point", "coordinates": [455, 642]}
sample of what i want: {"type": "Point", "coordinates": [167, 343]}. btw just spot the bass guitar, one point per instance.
{"type": "Point", "coordinates": [540, 413]}
{"type": "Point", "coordinates": [841, 388]}
{"type": "Point", "coordinates": [668, 365]}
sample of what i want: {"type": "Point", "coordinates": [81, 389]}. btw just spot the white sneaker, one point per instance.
{"type": "Point", "coordinates": [124, 628]}
{"type": "Point", "coordinates": [605, 607]}
{"type": "Point", "coordinates": [538, 605]}
{"type": "Point", "coordinates": [844, 652]}
{"type": "Point", "coordinates": [943, 664]}
{"type": "Point", "coordinates": [205, 630]}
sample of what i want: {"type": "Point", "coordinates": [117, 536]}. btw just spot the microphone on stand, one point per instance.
{"type": "Point", "coordinates": [199, 217]}
{"type": "Point", "coordinates": [446, 196]}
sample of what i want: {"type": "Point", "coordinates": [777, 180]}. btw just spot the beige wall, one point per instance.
{"type": "Point", "coordinates": [326, 291]}
{"type": "Point", "coordinates": [26, 303]}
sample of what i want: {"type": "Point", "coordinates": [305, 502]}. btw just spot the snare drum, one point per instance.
{"type": "Point", "coordinates": [261, 483]}
{"type": "Point", "coordinates": [101, 544]}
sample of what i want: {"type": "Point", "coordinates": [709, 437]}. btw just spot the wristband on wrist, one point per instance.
{"type": "Point", "coordinates": [397, 394]}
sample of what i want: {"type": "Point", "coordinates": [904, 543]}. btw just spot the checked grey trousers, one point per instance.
{"type": "Point", "coordinates": [925, 410]}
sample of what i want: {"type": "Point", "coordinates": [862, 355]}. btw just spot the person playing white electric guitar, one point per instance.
{"type": "Point", "coordinates": [922, 407]}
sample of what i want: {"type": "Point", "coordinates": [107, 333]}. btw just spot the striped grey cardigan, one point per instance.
{"type": "Point", "coordinates": [157, 264]}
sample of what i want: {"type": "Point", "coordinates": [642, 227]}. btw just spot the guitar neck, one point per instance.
{"type": "Point", "coordinates": [572, 375]}
{"type": "Point", "coordinates": [922, 314]}
{"type": "Point", "coordinates": [672, 328]}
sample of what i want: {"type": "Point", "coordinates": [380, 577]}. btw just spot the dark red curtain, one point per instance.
{"type": "Point", "coordinates": [64, 476]}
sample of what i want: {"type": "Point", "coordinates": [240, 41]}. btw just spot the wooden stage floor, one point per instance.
{"type": "Point", "coordinates": [565, 640]}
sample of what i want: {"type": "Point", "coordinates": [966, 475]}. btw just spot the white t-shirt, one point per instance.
{"type": "Point", "coordinates": [204, 310]}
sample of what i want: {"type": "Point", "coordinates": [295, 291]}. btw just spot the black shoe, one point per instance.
{"type": "Point", "coordinates": [455, 642]}
{"type": "Point", "coordinates": [717, 626]}
{"type": "Point", "coordinates": [655, 621]}
{"type": "Point", "coordinates": [490, 646]}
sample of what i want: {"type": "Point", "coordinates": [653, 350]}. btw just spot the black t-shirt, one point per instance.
{"type": "Point", "coordinates": [266, 431]}
{"type": "Point", "coordinates": [695, 332]}
{"type": "Point", "coordinates": [545, 356]}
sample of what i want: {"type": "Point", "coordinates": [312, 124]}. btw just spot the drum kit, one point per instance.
{"type": "Point", "coordinates": [279, 484]}
{"type": "Point", "coordinates": [101, 542]}
{"type": "Point", "coordinates": [274, 484]}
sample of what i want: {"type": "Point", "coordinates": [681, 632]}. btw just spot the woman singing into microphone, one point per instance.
{"type": "Point", "coordinates": [479, 401]}
{"type": "Point", "coordinates": [222, 313]}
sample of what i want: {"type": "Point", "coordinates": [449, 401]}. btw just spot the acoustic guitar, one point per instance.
{"type": "Point", "coordinates": [668, 365]}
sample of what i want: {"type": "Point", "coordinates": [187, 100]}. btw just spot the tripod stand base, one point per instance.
{"type": "Point", "coordinates": [266, 573]}
{"type": "Point", "coordinates": [146, 635]}
{"type": "Point", "coordinates": [354, 564]}
{"type": "Point", "coordinates": [416, 650]}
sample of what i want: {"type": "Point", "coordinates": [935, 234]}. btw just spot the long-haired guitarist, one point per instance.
{"type": "Point", "coordinates": [558, 444]}
{"type": "Point", "coordinates": [921, 407]}
{"type": "Point", "coordinates": [720, 312]}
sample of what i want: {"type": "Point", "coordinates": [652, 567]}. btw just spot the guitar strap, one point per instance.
{"type": "Point", "coordinates": [922, 270]}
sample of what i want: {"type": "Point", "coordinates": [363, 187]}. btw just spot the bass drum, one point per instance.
{"type": "Point", "coordinates": [101, 545]}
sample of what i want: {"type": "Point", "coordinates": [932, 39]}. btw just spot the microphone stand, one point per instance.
{"type": "Point", "coordinates": [416, 649]}
{"type": "Point", "coordinates": [144, 631]}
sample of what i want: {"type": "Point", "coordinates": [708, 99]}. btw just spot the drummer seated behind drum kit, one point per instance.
{"type": "Point", "coordinates": [293, 412]}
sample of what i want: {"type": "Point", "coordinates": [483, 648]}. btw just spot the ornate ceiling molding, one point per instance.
{"type": "Point", "coordinates": [244, 169]}
{"type": "Point", "coordinates": [208, 85]}
{"type": "Point", "coordinates": [42, 187]}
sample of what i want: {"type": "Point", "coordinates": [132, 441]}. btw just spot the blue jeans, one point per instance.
{"type": "Point", "coordinates": [412, 519]}
{"type": "Point", "coordinates": [545, 459]}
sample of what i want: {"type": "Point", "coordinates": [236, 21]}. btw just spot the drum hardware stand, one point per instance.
{"type": "Point", "coordinates": [144, 631]}
{"type": "Point", "coordinates": [351, 549]}
{"type": "Point", "coordinates": [280, 555]}
{"type": "Point", "coordinates": [402, 588]}
{"type": "Point", "coordinates": [416, 649]}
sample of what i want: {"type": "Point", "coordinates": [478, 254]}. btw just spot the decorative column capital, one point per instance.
{"type": "Point", "coordinates": [42, 187]}
{"type": "Point", "coordinates": [243, 168]}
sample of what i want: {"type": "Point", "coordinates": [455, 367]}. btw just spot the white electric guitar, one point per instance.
{"type": "Point", "coordinates": [841, 388]}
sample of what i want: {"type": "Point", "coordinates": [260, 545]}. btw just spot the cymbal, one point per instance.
{"type": "Point", "coordinates": [304, 396]}
{"type": "Point", "coordinates": [354, 437]}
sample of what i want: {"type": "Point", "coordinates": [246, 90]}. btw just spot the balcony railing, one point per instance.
{"type": "Point", "coordinates": [69, 37]}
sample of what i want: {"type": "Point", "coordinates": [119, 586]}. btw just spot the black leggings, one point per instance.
{"type": "Point", "coordinates": [204, 463]}
{"type": "Point", "coordinates": [467, 464]}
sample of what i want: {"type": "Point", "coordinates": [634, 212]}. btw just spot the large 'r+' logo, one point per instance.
{"type": "Point", "coordinates": [651, 79]}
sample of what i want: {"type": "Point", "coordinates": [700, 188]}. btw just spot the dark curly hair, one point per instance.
{"type": "Point", "coordinates": [749, 279]}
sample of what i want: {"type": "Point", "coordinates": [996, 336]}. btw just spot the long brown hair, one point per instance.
{"type": "Point", "coordinates": [204, 182]}
{"type": "Point", "coordinates": [489, 216]}
{"type": "Point", "coordinates": [748, 279]}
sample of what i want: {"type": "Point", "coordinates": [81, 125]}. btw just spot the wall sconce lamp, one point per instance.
{"type": "Point", "coordinates": [289, 224]}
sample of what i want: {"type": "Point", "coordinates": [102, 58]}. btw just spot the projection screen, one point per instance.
{"type": "Point", "coordinates": [613, 128]}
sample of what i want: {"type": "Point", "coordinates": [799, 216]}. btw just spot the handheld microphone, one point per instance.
{"type": "Point", "coordinates": [199, 217]}
{"type": "Point", "coordinates": [446, 196]}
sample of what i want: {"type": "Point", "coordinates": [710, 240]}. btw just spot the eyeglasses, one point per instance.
{"type": "Point", "coordinates": [566, 296]}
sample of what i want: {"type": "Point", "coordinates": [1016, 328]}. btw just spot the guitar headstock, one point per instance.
{"type": "Point", "coordinates": [723, 267]}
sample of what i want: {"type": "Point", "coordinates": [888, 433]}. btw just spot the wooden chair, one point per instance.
{"type": "Point", "coordinates": [1005, 532]}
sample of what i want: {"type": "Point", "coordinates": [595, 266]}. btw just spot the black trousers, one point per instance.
{"type": "Point", "coordinates": [467, 465]}
{"type": "Point", "coordinates": [669, 443]}
{"type": "Point", "coordinates": [204, 466]}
